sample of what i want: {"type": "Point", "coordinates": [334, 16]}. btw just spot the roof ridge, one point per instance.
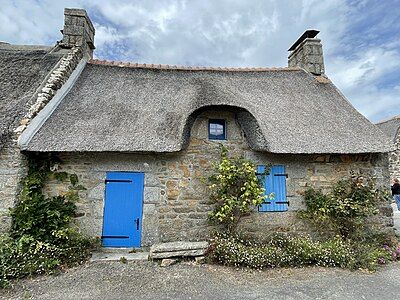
{"type": "Point", "coordinates": [17, 47]}
{"type": "Point", "coordinates": [388, 120]}
{"type": "Point", "coordinates": [186, 68]}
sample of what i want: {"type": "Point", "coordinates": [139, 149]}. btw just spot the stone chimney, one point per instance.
{"type": "Point", "coordinates": [78, 31]}
{"type": "Point", "coordinates": [306, 53]}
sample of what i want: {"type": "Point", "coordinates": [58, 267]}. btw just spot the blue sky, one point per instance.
{"type": "Point", "coordinates": [361, 38]}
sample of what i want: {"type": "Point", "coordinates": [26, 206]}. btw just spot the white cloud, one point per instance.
{"type": "Point", "coordinates": [365, 68]}
{"type": "Point", "coordinates": [377, 104]}
{"type": "Point", "coordinates": [30, 22]}
{"type": "Point", "coordinates": [363, 79]}
{"type": "Point", "coordinates": [106, 35]}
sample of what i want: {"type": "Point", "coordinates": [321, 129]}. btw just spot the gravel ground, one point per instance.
{"type": "Point", "coordinates": [146, 280]}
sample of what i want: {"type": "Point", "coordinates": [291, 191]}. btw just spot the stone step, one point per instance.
{"type": "Point", "coordinates": [178, 249]}
{"type": "Point", "coordinates": [123, 250]}
{"type": "Point", "coordinates": [104, 256]}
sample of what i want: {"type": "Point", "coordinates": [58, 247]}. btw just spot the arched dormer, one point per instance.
{"type": "Point", "coordinates": [239, 125]}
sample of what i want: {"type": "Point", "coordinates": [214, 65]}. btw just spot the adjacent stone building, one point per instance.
{"type": "Point", "coordinates": [392, 129]}
{"type": "Point", "coordinates": [30, 76]}
{"type": "Point", "coordinates": [141, 137]}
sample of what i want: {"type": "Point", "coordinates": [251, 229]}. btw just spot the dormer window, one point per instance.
{"type": "Point", "coordinates": [216, 129]}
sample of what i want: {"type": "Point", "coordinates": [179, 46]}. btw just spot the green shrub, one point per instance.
{"type": "Point", "coordinates": [345, 210]}
{"type": "Point", "coordinates": [26, 256]}
{"type": "Point", "coordinates": [346, 237]}
{"type": "Point", "coordinates": [42, 238]}
{"type": "Point", "coordinates": [42, 217]}
{"type": "Point", "coordinates": [279, 251]}
{"type": "Point", "coordinates": [298, 251]}
{"type": "Point", "coordinates": [235, 190]}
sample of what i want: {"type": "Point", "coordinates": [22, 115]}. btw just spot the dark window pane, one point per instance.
{"type": "Point", "coordinates": [216, 129]}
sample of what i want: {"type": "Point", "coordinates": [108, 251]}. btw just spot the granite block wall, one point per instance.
{"type": "Point", "coordinates": [394, 160]}
{"type": "Point", "coordinates": [175, 194]}
{"type": "Point", "coordinates": [13, 167]}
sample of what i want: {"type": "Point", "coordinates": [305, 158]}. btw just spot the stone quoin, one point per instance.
{"type": "Point", "coordinates": [392, 129]}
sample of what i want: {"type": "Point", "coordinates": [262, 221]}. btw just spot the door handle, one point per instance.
{"type": "Point", "coordinates": [137, 223]}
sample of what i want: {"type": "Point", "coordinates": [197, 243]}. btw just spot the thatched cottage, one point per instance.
{"type": "Point", "coordinates": [140, 137]}
{"type": "Point", "coordinates": [391, 128]}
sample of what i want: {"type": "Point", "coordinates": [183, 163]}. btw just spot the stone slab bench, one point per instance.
{"type": "Point", "coordinates": [178, 249]}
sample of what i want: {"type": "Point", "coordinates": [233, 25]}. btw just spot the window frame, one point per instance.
{"type": "Point", "coordinates": [220, 137]}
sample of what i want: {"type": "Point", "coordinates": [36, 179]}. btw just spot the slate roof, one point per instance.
{"type": "Point", "coordinates": [126, 107]}
{"type": "Point", "coordinates": [22, 70]}
{"type": "Point", "coordinates": [390, 127]}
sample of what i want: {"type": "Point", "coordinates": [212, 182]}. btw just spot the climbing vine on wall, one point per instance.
{"type": "Point", "coordinates": [345, 210]}
{"type": "Point", "coordinates": [235, 190]}
{"type": "Point", "coordinates": [42, 237]}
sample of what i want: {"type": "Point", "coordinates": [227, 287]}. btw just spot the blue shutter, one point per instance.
{"type": "Point", "coordinates": [275, 183]}
{"type": "Point", "coordinates": [279, 184]}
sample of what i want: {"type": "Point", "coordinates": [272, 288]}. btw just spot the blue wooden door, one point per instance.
{"type": "Point", "coordinates": [123, 209]}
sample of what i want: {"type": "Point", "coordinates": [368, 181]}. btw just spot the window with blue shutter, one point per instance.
{"type": "Point", "coordinates": [274, 182]}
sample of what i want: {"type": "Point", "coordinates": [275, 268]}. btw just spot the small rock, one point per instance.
{"type": "Point", "coordinates": [200, 260]}
{"type": "Point", "coordinates": [168, 262]}
{"type": "Point", "coordinates": [24, 121]}
{"type": "Point", "coordinates": [19, 129]}
{"type": "Point", "coordinates": [123, 259]}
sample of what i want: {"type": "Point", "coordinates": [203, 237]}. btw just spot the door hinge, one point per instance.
{"type": "Point", "coordinates": [286, 175]}
{"type": "Point", "coordinates": [277, 202]}
{"type": "Point", "coordinates": [114, 237]}
{"type": "Point", "coordinates": [117, 180]}
{"type": "Point", "coordinates": [283, 202]}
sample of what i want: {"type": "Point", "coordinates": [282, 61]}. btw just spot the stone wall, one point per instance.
{"type": "Point", "coordinates": [13, 164]}
{"type": "Point", "coordinates": [318, 171]}
{"type": "Point", "coordinates": [13, 167]}
{"type": "Point", "coordinates": [176, 198]}
{"type": "Point", "coordinates": [394, 160]}
{"type": "Point", "coordinates": [78, 35]}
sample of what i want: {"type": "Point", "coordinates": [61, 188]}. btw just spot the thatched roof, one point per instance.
{"type": "Point", "coordinates": [135, 108]}
{"type": "Point", "coordinates": [22, 70]}
{"type": "Point", "coordinates": [390, 127]}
